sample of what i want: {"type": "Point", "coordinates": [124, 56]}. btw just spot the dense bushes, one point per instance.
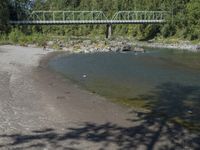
{"type": "Point", "coordinates": [16, 36]}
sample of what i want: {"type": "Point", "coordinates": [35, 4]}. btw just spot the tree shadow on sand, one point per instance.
{"type": "Point", "coordinates": [154, 129]}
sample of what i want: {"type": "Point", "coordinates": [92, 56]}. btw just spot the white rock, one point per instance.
{"type": "Point", "coordinates": [50, 43]}
{"type": "Point", "coordinates": [84, 76]}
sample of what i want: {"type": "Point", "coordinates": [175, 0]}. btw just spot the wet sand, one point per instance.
{"type": "Point", "coordinates": [39, 109]}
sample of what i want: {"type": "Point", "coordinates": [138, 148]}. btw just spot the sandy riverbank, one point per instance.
{"type": "Point", "coordinates": [39, 109]}
{"type": "Point", "coordinates": [32, 98]}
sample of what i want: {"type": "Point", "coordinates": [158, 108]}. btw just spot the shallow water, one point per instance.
{"type": "Point", "coordinates": [168, 79]}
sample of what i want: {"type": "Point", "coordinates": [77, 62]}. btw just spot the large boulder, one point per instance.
{"type": "Point", "coordinates": [126, 48]}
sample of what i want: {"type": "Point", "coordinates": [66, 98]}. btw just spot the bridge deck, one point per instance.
{"type": "Point", "coordinates": [57, 22]}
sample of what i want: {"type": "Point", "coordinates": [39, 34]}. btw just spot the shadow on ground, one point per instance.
{"type": "Point", "coordinates": [150, 130]}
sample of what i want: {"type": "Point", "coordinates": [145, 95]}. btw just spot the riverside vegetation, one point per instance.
{"type": "Point", "coordinates": [184, 25]}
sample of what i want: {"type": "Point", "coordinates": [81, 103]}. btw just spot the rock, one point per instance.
{"type": "Point", "coordinates": [71, 43]}
{"type": "Point", "coordinates": [65, 49]}
{"type": "Point", "coordinates": [118, 49]}
{"type": "Point", "coordinates": [151, 41]}
{"type": "Point", "coordinates": [86, 51]}
{"type": "Point", "coordinates": [84, 76]}
{"type": "Point", "coordinates": [112, 43]}
{"type": "Point", "coordinates": [87, 42]}
{"type": "Point", "coordinates": [105, 50]}
{"type": "Point", "coordinates": [101, 43]}
{"type": "Point", "coordinates": [126, 48]}
{"type": "Point", "coordinates": [119, 43]}
{"type": "Point", "coordinates": [113, 48]}
{"type": "Point", "coordinates": [139, 49]}
{"type": "Point", "coordinates": [50, 43]}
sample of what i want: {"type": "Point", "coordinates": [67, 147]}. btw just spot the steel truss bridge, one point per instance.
{"type": "Point", "coordinates": [92, 17]}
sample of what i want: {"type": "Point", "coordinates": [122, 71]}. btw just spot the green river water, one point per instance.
{"type": "Point", "coordinates": [164, 80]}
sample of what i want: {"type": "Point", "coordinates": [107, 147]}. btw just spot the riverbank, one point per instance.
{"type": "Point", "coordinates": [97, 44]}
{"type": "Point", "coordinates": [39, 109]}
{"type": "Point", "coordinates": [37, 105]}
{"type": "Point", "coordinates": [77, 45]}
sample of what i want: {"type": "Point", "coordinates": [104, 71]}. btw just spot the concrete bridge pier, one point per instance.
{"type": "Point", "coordinates": [109, 31]}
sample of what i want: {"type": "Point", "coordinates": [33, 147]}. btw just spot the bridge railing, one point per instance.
{"type": "Point", "coordinates": [140, 15]}
{"type": "Point", "coordinates": [66, 15]}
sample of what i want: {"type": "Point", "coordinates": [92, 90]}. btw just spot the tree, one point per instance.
{"type": "Point", "coordinates": [4, 16]}
{"type": "Point", "coordinates": [185, 22]}
{"type": "Point", "coordinates": [193, 15]}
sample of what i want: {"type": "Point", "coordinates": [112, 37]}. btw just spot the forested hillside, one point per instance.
{"type": "Point", "coordinates": [184, 25]}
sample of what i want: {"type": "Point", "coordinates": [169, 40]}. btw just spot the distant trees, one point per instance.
{"type": "Point", "coordinates": [184, 24]}
{"type": "Point", "coordinates": [193, 22]}
{"type": "Point", "coordinates": [4, 16]}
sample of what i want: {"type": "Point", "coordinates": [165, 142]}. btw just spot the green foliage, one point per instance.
{"type": "Point", "coordinates": [16, 35]}
{"type": "Point", "coordinates": [4, 39]}
{"type": "Point", "coordinates": [168, 30]}
{"type": "Point", "coordinates": [193, 13]}
{"type": "Point", "coordinates": [185, 23]}
{"type": "Point", "coordinates": [4, 16]}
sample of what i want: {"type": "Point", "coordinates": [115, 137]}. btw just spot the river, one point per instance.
{"type": "Point", "coordinates": [164, 80]}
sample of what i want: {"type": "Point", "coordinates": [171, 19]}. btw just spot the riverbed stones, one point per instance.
{"type": "Point", "coordinates": [120, 45]}
{"type": "Point", "coordinates": [87, 42]}
{"type": "Point", "coordinates": [112, 49]}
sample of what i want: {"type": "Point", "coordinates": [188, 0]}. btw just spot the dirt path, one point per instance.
{"type": "Point", "coordinates": [41, 110]}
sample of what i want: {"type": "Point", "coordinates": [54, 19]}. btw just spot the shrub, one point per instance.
{"type": "Point", "coordinates": [16, 35]}
{"type": "Point", "coordinates": [168, 30]}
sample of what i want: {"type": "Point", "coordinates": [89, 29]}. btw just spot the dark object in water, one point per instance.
{"type": "Point", "coordinates": [44, 46]}
{"type": "Point", "coordinates": [198, 47]}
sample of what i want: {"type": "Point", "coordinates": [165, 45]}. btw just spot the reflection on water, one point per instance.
{"type": "Point", "coordinates": [164, 77]}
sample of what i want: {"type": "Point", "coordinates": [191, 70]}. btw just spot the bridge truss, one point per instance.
{"type": "Point", "coordinates": [92, 17]}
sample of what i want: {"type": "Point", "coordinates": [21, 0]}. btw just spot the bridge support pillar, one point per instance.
{"type": "Point", "coordinates": [109, 31]}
